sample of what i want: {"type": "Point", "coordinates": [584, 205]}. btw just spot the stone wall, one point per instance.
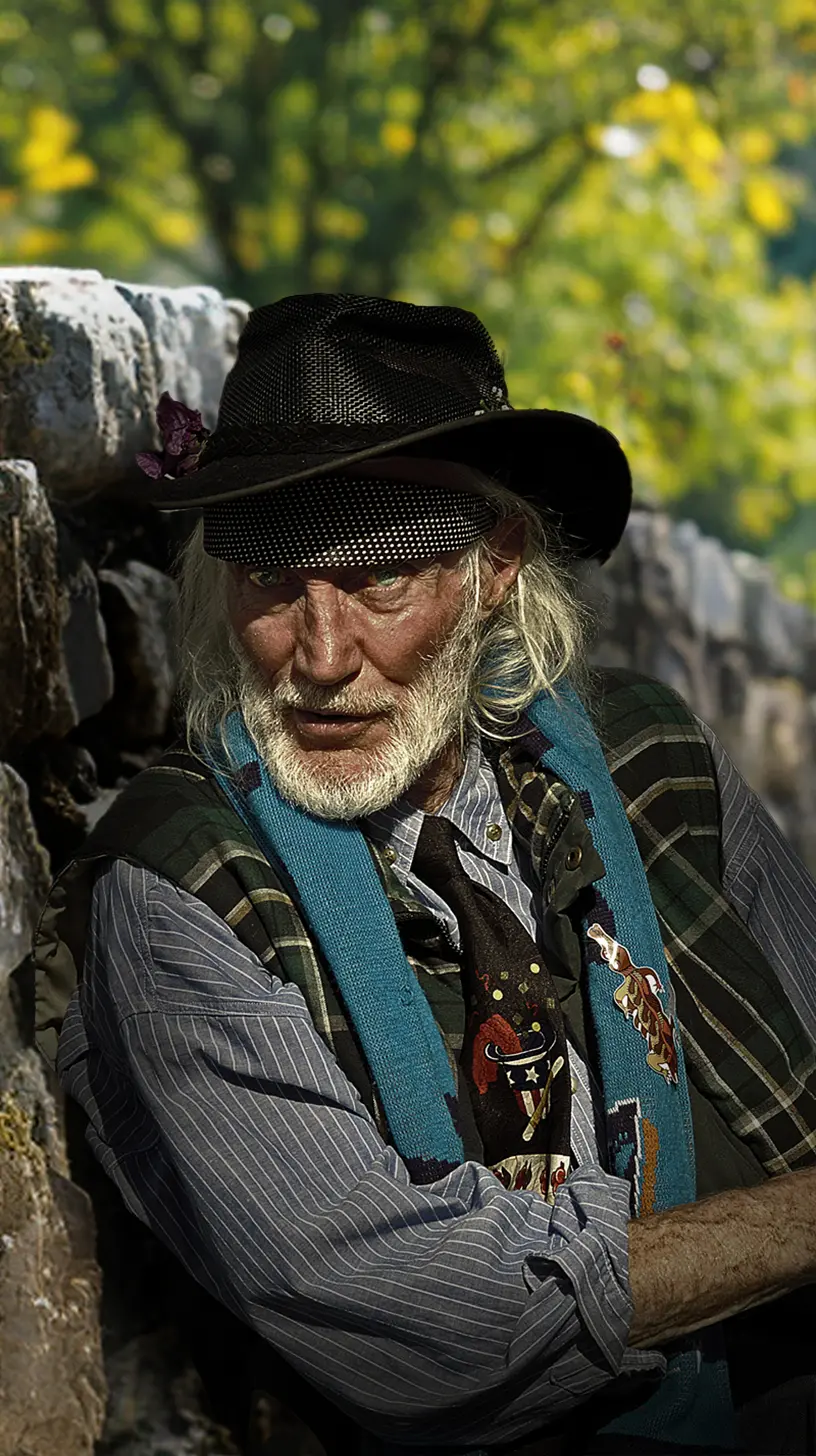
{"type": "Point", "coordinates": [711, 623]}
{"type": "Point", "coordinates": [86, 680]}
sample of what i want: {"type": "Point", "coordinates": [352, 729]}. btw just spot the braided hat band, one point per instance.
{"type": "Point", "coordinates": [337, 521]}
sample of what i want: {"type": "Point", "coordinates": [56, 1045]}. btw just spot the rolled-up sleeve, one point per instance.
{"type": "Point", "coordinates": [451, 1312]}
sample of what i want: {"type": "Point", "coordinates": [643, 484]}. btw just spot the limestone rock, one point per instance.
{"type": "Point", "coordinates": [776, 629]}
{"type": "Point", "coordinates": [77, 375]}
{"type": "Point", "coordinates": [34, 691]}
{"type": "Point", "coordinates": [83, 360]}
{"type": "Point", "coordinates": [88, 668]}
{"type": "Point", "coordinates": [52, 1389]}
{"type": "Point", "coordinates": [137, 601]}
{"type": "Point", "coordinates": [777, 747]}
{"type": "Point", "coordinates": [24, 873]}
{"type": "Point", "coordinates": [715, 601]}
{"type": "Point", "coordinates": [192, 336]}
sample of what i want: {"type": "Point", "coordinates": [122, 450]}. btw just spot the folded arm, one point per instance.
{"type": "Point", "coordinates": [457, 1311]}
{"type": "Point", "coordinates": [702, 1262]}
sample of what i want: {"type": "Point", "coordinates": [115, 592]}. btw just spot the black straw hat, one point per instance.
{"type": "Point", "coordinates": [322, 381]}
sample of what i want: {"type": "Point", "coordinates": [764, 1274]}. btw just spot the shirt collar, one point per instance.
{"type": "Point", "coordinates": [474, 808]}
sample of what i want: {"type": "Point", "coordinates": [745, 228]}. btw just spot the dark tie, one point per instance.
{"type": "Point", "coordinates": [514, 1053]}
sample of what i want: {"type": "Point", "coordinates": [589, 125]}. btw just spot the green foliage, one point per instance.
{"type": "Point", "coordinates": [601, 184]}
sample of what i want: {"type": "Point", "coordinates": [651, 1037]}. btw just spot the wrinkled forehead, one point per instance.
{"type": "Point", "coordinates": [396, 509]}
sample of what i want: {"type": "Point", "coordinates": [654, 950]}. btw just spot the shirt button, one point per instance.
{"type": "Point", "coordinates": [389, 854]}
{"type": "Point", "coordinates": [574, 857]}
{"type": "Point", "coordinates": [494, 831]}
{"type": "Point", "coordinates": [535, 967]}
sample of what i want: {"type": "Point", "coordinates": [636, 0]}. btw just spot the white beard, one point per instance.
{"type": "Point", "coordinates": [429, 715]}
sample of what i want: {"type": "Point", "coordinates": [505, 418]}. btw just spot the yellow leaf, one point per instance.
{"type": "Point", "coordinates": [251, 229]}
{"type": "Point", "coordinates": [51, 133]}
{"type": "Point", "coordinates": [464, 227]}
{"type": "Point", "coordinates": [702, 141]}
{"type": "Point", "coordinates": [677, 103]}
{"type": "Point", "coordinates": [755, 145]}
{"type": "Point", "coordinates": [184, 20]}
{"type": "Point", "coordinates": [285, 228]}
{"type": "Point", "coordinates": [522, 88]}
{"type": "Point", "coordinates": [397, 137]}
{"type": "Point", "coordinates": [112, 234]}
{"type": "Point", "coordinates": [702, 177]}
{"type": "Point", "coordinates": [766, 205]}
{"type": "Point", "coordinates": [236, 24]}
{"type": "Point", "coordinates": [135, 17]}
{"type": "Point", "coordinates": [293, 167]}
{"type": "Point", "coordinates": [792, 13]}
{"type": "Point", "coordinates": [63, 174]}
{"type": "Point", "coordinates": [569, 49]}
{"type": "Point", "coordinates": [579, 385]}
{"type": "Point", "coordinates": [303, 15]}
{"type": "Point", "coordinates": [13, 25]}
{"type": "Point", "coordinates": [402, 102]}
{"type": "Point", "coordinates": [794, 126]}
{"type": "Point", "coordinates": [38, 243]}
{"type": "Point", "coordinates": [681, 102]}
{"type": "Point", "coordinates": [176, 229]}
{"type": "Point", "coordinates": [584, 288]}
{"type": "Point", "coordinates": [759, 510]}
{"type": "Point", "coordinates": [334, 220]}
{"type": "Point", "coordinates": [296, 101]}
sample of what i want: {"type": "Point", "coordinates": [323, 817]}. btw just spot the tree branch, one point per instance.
{"type": "Point", "coordinates": [322, 176]}
{"type": "Point", "coordinates": [446, 52]}
{"type": "Point", "coordinates": [520, 158]}
{"type": "Point", "coordinates": [201, 142]}
{"type": "Point", "coordinates": [531, 232]}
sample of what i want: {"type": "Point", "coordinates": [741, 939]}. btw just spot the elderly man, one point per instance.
{"type": "Point", "coordinates": [447, 1010]}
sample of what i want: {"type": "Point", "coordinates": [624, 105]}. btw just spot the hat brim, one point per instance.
{"type": "Point", "coordinates": [571, 469]}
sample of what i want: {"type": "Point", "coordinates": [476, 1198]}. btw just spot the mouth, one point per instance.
{"type": "Point", "coordinates": [331, 725]}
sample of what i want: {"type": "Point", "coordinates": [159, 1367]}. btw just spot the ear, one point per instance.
{"type": "Point", "coordinates": [505, 546]}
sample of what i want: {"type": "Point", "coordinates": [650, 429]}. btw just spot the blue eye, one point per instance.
{"type": "Point", "coordinates": [384, 575]}
{"type": "Point", "coordinates": [274, 573]}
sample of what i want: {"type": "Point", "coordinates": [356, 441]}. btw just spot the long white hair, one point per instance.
{"type": "Point", "coordinates": [535, 637]}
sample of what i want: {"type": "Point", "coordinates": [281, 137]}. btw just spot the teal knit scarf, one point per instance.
{"type": "Point", "coordinates": [641, 1061]}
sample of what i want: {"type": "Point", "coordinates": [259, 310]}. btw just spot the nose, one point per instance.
{"type": "Point", "coordinates": [326, 648]}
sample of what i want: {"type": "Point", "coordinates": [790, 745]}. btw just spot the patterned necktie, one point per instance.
{"type": "Point", "coordinates": [514, 1053]}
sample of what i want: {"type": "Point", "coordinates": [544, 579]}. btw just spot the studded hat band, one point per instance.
{"type": "Point", "coordinates": [338, 521]}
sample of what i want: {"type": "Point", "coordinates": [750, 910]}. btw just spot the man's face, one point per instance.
{"type": "Point", "coordinates": [353, 680]}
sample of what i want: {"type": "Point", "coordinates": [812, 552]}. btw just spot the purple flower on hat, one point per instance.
{"type": "Point", "coordinates": [183, 436]}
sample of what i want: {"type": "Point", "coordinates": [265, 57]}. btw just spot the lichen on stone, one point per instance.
{"type": "Point", "coordinates": [23, 341]}
{"type": "Point", "coordinates": [16, 1131]}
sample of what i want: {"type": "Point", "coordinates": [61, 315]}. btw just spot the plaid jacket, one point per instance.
{"type": "Point", "coordinates": [750, 1063]}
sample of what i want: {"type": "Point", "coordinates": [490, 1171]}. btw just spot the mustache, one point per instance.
{"type": "Point", "coordinates": [314, 699]}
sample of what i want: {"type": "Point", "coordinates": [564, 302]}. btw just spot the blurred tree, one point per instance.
{"type": "Point", "coordinates": [599, 182]}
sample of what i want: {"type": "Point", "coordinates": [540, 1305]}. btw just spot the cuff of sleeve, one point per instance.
{"type": "Point", "coordinates": [591, 1215]}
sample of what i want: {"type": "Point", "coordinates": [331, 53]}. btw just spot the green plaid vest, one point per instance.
{"type": "Point", "coordinates": [750, 1064]}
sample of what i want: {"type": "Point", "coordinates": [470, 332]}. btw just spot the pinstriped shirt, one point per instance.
{"type": "Point", "coordinates": [455, 1313]}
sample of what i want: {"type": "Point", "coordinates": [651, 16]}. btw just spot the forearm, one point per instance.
{"type": "Point", "coordinates": [702, 1262]}
{"type": "Point", "coordinates": [434, 1315]}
